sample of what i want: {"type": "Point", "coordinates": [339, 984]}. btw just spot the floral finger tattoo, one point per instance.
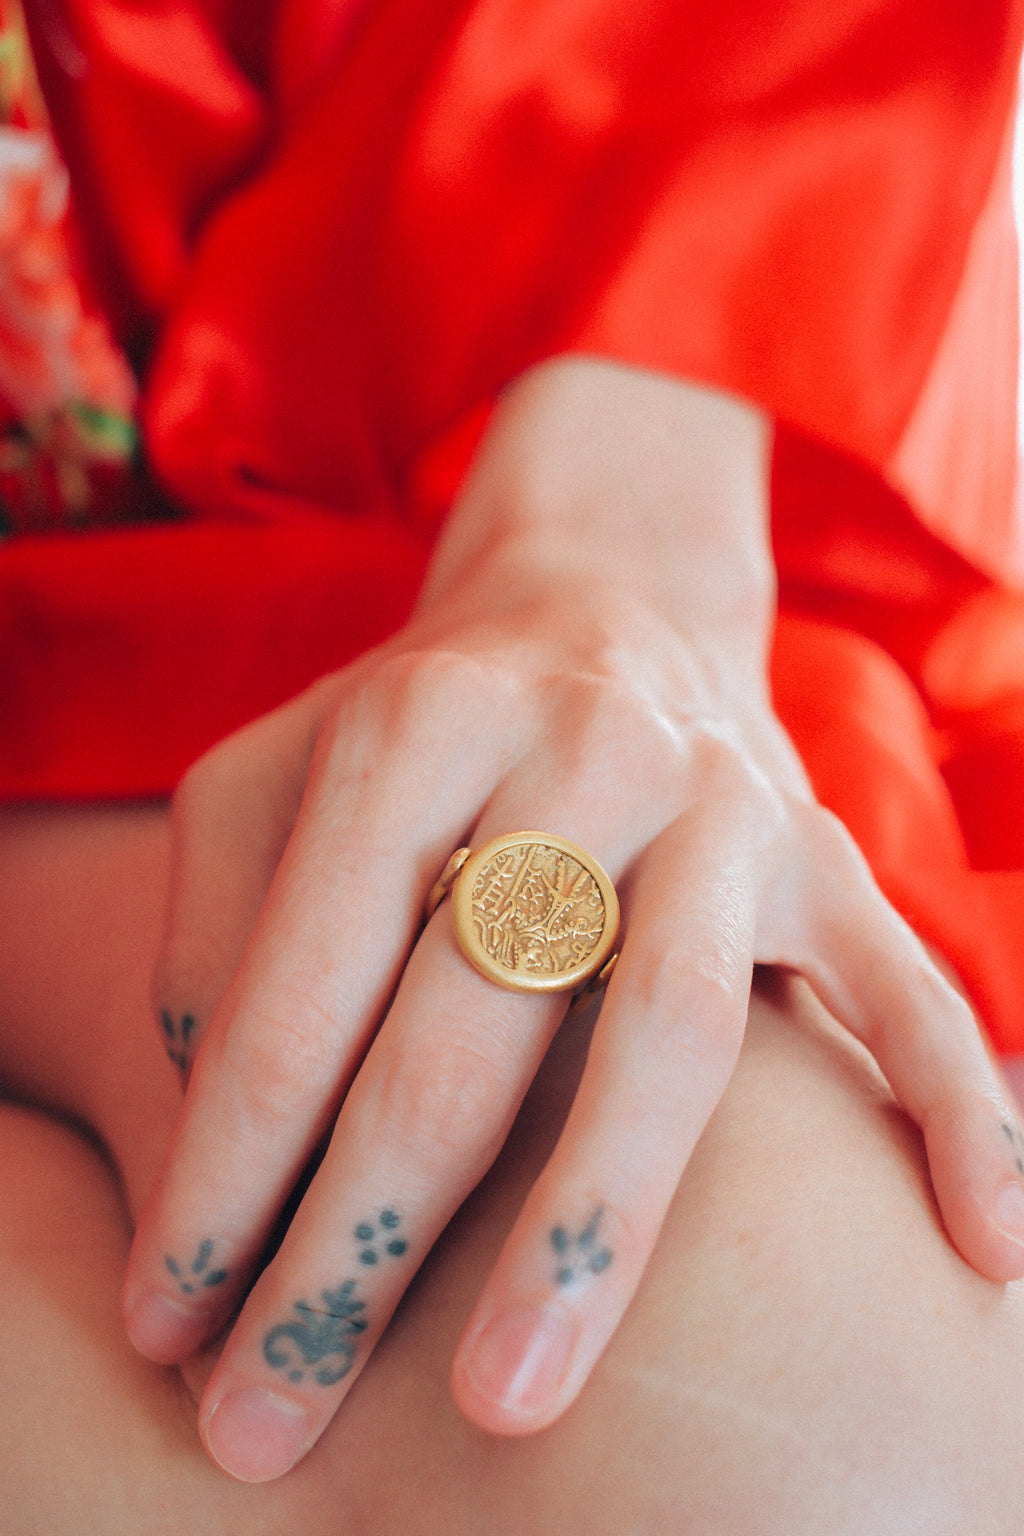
{"type": "Point", "coordinates": [579, 1255]}
{"type": "Point", "coordinates": [328, 1332]}
{"type": "Point", "coordinates": [178, 1038]}
{"type": "Point", "coordinates": [321, 1340]}
{"type": "Point", "coordinates": [197, 1275]}
{"type": "Point", "coordinates": [1015, 1141]}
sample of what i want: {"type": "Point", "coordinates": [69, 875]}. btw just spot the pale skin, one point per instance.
{"type": "Point", "coordinates": [806, 1352]}
{"type": "Point", "coordinates": [588, 657]}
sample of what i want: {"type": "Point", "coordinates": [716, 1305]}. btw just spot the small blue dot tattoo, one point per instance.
{"type": "Point", "coordinates": [581, 1255]}
{"type": "Point", "coordinates": [373, 1244]}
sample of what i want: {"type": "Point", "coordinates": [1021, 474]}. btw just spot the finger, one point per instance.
{"type": "Point", "coordinates": [324, 961]}
{"type": "Point", "coordinates": [425, 1117]}
{"type": "Point", "coordinates": [423, 1121]}
{"type": "Point", "coordinates": [662, 1053]}
{"type": "Point", "coordinates": [231, 819]}
{"type": "Point", "coordinates": [875, 976]}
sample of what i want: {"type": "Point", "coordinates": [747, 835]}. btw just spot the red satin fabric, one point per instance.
{"type": "Point", "coordinates": [329, 231]}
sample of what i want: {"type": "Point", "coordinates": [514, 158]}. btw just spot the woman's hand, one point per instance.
{"type": "Point", "coordinates": [588, 658]}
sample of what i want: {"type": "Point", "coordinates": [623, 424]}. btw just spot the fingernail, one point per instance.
{"type": "Point", "coordinates": [519, 1360]}
{"type": "Point", "coordinates": [256, 1435]}
{"type": "Point", "coordinates": [163, 1330]}
{"type": "Point", "coordinates": [1009, 1212]}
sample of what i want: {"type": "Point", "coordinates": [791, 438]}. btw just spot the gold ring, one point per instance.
{"type": "Point", "coordinates": [531, 911]}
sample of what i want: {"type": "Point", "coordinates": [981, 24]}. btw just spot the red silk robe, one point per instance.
{"type": "Point", "coordinates": [329, 231]}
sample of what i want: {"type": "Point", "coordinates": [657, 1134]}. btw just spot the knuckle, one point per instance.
{"type": "Point", "coordinates": [943, 1013]}
{"type": "Point", "coordinates": [611, 705]}
{"type": "Point", "coordinates": [826, 834]}
{"type": "Point", "coordinates": [286, 1059]}
{"type": "Point", "coordinates": [420, 681]}
{"type": "Point", "coordinates": [419, 697]}
{"type": "Point", "coordinates": [723, 766]}
{"type": "Point", "coordinates": [693, 1000]}
{"type": "Point", "coordinates": [263, 765]}
{"type": "Point", "coordinates": [732, 779]}
{"type": "Point", "coordinates": [601, 723]}
{"type": "Point", "coordinates": [699, 1049]}
{"type": "Point", "coordinates": [831, 847]}
{"type": "Point", "coordinates": [440, 1096]}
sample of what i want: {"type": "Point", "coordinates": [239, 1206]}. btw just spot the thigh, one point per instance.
{"type": "Point", "coordinates": [806, 1353]}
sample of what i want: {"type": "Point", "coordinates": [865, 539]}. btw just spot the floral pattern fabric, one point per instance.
{"type": "Point", "coordinates": [67, 395]}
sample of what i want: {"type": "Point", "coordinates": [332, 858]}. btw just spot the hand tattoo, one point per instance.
{"type": "Point", "coordinates": [1016, 1141]}
{"type": "Point", "coordinates": [197, 1275]}
{"type": "Point", "coordinates": [178, 1041]}
{"type": "Point", "coordinates": [318, 1334]}
{"type": "Point", "coordinates": [331, 1331]}
{"type": "Point", "coordinates": [366, 1234]}
{"type": "Point", "coordinates": [580, 1255]}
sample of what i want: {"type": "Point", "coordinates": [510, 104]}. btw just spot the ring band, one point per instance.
{"type": "Point", "coordinates": [531, 911]}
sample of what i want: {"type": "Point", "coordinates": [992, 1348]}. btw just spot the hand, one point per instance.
{"type": "Point", "coordinates": [588, 658]}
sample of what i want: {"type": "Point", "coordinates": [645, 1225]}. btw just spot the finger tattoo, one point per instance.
{"type": "Point", "coordinates": [321, 1339]}
{"type": "Point", "coordinates": [325, 1333]}
{"type": "Point", "coordinates": [581, 1255]}
{"type": "Point", "coordinates": [1016, 1142]}
{"type": "Point", "coordinates": [373, 1244]}
{"type": "Point", "coordinates": [178, 1038]}
{"type": "Point", "coordinates": [197, 1275]}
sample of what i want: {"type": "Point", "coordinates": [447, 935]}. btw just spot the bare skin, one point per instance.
{"type": "Point", "coordinates": [806, 1352]}
{"type": "Point", "coordinates": [588, 657]}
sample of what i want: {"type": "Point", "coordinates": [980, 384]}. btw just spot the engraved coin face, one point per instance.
{"type": "Point", "coordinates": [533, 912]}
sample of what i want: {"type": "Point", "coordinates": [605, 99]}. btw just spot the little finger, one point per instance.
{"type": "Point", "coordinates": [875, 976]}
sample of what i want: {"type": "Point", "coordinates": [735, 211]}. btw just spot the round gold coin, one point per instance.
{"type": "Point", "coordinates": [533, 912]}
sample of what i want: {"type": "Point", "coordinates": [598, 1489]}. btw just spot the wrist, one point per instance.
{"type": "Point", "coordinates": [593, 473]}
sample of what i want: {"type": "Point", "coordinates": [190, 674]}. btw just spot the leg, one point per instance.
{"type": "Point", "coordinates": [807, 1353]}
